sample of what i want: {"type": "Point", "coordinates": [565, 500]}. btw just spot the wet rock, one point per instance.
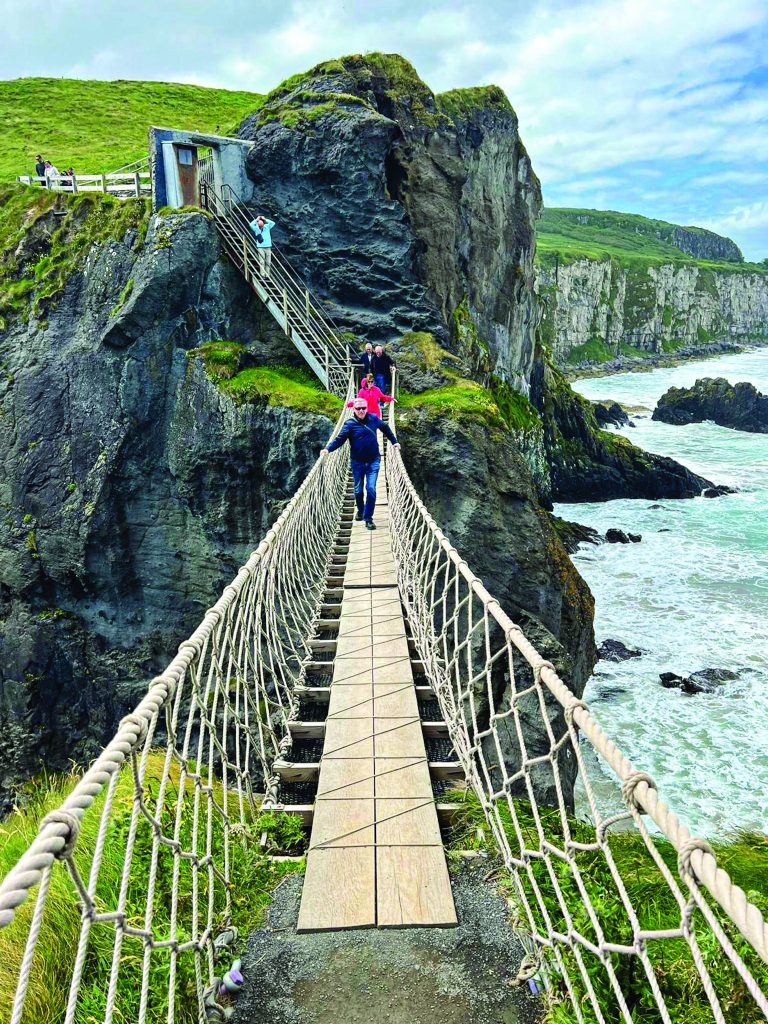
{"type": "Point", "coordinates": [718, 491]}
{"type": "Point", "coordinates": [615, 650]}
{"type": "Point", "coordinates": [738, 406]}
{"type": "Point", "coordinates": [614, 536]}
{"type": "Point", "coordinates": [574, 534]}
{"type": "Point", "coordinates": [706, 680]}
{"type": "Point", "coordinates": [610, 413]}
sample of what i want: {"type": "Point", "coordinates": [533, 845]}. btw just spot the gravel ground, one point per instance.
{"type": "Point", "coordinates": [407, 976]}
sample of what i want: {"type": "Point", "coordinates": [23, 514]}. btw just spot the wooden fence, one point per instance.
{"type": "Point", "coordinates": [121, 185]}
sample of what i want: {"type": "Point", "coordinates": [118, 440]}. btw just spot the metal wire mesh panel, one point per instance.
{"type": "Point", "coordinates": [627, 917]}
{"type": "Point", "coordinates": [139, 869]}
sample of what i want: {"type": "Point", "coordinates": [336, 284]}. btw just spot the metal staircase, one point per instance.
{"type": "Point", "coordinates": [281, 290]}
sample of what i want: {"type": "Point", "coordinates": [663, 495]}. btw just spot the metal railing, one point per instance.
{"type": "Point", "coordinates": [279, 286]}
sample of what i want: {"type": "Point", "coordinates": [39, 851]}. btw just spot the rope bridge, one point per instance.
{"type": "Point", "coordinates": [166, 818]}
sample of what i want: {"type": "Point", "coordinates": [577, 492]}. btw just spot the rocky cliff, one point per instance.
{"type": "Point", "coordinates": [597, 311]}
{"type": "Point", "coordinates": [131, 488]}
{"type": "Point", "coordinates": [739, 406]}
{"type": "Point", "coordinates": [409, 211]}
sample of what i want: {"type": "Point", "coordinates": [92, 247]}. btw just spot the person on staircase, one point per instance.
{"type": "Point", "coordinates": [364, 360]}
{"type": "Point", "coordinates": [262, 229]}
{"type": "Point", "coordinates": [372, 394]}
{"type": "Point", "coordinates": [361, 430]}
{"type": "Point", "coordinates": [381, 367]}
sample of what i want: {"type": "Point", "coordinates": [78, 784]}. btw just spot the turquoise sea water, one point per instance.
{"type": "Point", "coordinates": [693, 594]}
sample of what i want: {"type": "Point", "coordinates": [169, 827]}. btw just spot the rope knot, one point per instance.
{"type": "Point", "coordinates": [72, 822]}
{"type": "Point", "coordinates": [568, 712]}
{"type": "Point", "coordinates": [684, 857]}
{"type": "Point", "coordinates": [630, 784]}
{"type": "Point", "coordinates": [539, 667]}
{"type": "Point", "coordinates": [529, 968]}
{"type": "Point", "coordinates": [139, 722]}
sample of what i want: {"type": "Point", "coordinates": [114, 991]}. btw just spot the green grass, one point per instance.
{"type": "Point", "coordinates": [497, 407]}
{"type": "Point", "coordinates": [459, 103]}
{"type": "Point", "coordinates": [627, 238]}
{"type": "Point", "coordinates": [286, 386]}
{"type": "Point", "coordinates": [97, 127]}
{"type": "Point", "coordinates": [745, 858]}
{"type": "Point", "coordinates": [254, 878]}
{"type": "Point", "coordinates": [30, 282]}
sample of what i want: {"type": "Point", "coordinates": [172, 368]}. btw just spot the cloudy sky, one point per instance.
{"type": "Point", "coordinates": [657, 107]}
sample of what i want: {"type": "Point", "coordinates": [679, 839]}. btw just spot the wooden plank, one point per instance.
{"type": "Point", "coordinates": [405, 821]}
{"type": "Point", "coordinates": [344, 821]}
{"type": "Point", "coordinates": [413, 887]}
{"type": "Point", "coordinates": [403, 776]}
{"type": "Point", "coordinates": [339, 890]}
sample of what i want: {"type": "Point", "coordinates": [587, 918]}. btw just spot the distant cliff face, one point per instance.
{"type": "Point", "coordinates": [401, 207]}
{"type": "Point", "coordinates": [706, 245]}
{"type": "Point", "coordinates": [593, 311]}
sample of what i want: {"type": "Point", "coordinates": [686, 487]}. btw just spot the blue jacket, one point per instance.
{"type": "Point", "coordinates": [265, 232]}
{"type": "Point", "coordinates": [361, 434]}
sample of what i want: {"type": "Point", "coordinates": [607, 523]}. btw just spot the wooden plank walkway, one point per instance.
{"type": "Point", "coordinates": [376, 857]}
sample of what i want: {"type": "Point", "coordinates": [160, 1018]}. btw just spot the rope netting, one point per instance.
{"type": "Point", "coordinates": [139, 870]}
{"type": "Point", "coordinates": [627, 917]}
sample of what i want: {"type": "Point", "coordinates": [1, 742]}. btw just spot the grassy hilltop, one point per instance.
{"type": "Point", "coordinates": [627, 238]}
{"type": "Point", "coordinates": [99, 126]}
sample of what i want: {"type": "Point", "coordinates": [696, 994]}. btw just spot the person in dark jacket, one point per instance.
{"type": "Point", "coordinates": [365, 358]}
{"type": "Point", "coordinates": [381, 368]}
{"type": "Point", "coordinates": [40, 168]}
{"type": "Point", "coordinates": [362, 433]}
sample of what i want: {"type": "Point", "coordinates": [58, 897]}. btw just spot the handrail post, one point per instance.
{"type": "Point", "coordinates": [285, 308]}
{"type": "Point", "coordinates": [245, 258]}
{"type": "Point", "coordinates": [327, 374]}
{"type": "Point", "coordinates": [306, 302]}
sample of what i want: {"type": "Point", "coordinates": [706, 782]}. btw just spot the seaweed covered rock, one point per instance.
{"type": "Point", "coordinates": [590, 464]}
{"type": "Point", "coordinates": [401, 207]}
{"type": "Point", "coordinates": [739, 406]}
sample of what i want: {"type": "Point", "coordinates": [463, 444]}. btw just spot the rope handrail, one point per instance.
{"type": "Point", "coordinates": [489, 680]}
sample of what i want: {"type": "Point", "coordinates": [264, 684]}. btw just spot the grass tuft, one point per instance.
{"type": "Point", "coordinates": [745, 858]}
{"type": "Point", "coordinates": [254, 878]}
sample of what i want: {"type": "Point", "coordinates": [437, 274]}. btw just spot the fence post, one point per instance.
{"type": "Point", "coordinates": [245, 257]}
{"type": "Point", "coordinates": [306, 303]}
{"type": "Point", "coordinates": [285, 308]}
{"type": "Point", "coordinates": [137, 180]}
{"type": "Point", "coordinates": [74, 183]}
{"type": "Point", "coordinates": [104, 184]}
{"type": "Point", "coordinates": [327, 378]}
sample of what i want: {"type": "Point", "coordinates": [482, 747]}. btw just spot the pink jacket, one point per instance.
{"type": "Point", "coordinates": [373, 395]}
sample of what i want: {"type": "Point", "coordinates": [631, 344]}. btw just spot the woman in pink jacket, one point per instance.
{"type": "Point", "coordinates": [373, 395]}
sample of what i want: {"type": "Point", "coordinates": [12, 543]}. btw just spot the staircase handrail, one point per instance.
{"type": "Point", "coordinates": [294, 278]}
{"type": "Point", "coordinates": [239, 226]}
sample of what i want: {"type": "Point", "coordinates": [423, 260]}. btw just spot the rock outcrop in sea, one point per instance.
{"type": "Point", "coordinates": [739, 406]}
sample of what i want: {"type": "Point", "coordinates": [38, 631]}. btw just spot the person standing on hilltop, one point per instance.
{"type": "Point", "coordinates": [51, 174]}
{"type": "Point", "coordinates": [372, 394]}
{"type": "Point", "coordinates": [40, 168]}
{"type": "Point", "coordinates": [381, 367]}
{"type": "Point", "coordinates": [262, 229]}
{"type": "Point", "coordinates": [365, 458]}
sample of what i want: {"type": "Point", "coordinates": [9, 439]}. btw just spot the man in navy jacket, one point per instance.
{"type": "Point", "coordinates": [364, 456]}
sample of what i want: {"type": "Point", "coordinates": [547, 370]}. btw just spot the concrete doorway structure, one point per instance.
{"type": "Point", "coordinates": [181, 160]}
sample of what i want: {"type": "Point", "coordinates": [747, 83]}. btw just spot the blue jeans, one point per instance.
{"type": "Point", "coordinates": [378, 380]}
{"type": "Point", "coordinates": [368, 472]}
